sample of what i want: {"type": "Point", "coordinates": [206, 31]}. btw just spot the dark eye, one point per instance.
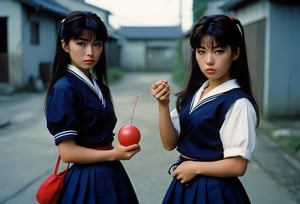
{"type": "Point", "coordinates": [98, 43]}
{"type": "Point", "coordinates": [81, 43]}
{"type": "Point", "coordinates": [219, 51]}
{"type": "Point", "coordinates": [200, 51]}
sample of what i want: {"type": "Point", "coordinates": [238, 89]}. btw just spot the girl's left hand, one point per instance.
{"type": "Point", "coordinates": [161, 91]}
{"type": "Point", "coordinates": [185, 172]}
{"type": "Point", "coordinates": [122, 152]}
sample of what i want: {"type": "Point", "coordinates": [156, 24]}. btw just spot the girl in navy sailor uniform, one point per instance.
{"type": "Point", "coordinates": [213, 126]}
{"type": "Point", "coordinates": [80, 115]}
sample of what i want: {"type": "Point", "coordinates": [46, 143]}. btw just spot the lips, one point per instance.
{"type": "Point", "coordinates": [89, 62]}
{"type": "Point", "coordinates": [210, 71]}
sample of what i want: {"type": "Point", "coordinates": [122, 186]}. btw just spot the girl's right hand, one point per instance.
{"type": "Point", "coordinates": [125, 152]}
{"type": "Point", "coordinates": [161, 91]}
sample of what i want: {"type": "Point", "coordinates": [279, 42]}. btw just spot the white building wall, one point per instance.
{"type": "Point", "coordinates": [133, 55]}
{"type": "Point", "coordinates": [33, 55]}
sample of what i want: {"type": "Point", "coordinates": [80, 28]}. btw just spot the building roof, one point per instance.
{"type": "Point", "coordinates": [152, 32]}
{"type": "Point", "coordinates": [47, 5]}
{"type": "Point", "coordinates": [236, 4]}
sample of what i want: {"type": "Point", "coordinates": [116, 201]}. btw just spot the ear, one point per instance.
{"type": "Point", "coordinates": [64, 46]}
{"type": "Point", "coordinates": [236, 54]}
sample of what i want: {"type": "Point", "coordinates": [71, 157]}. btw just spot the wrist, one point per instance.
{"type": "Point", "coordinates": [163, 105]}
{"type": "Point", "coordinates": [197, 166]}
{"type": "Point", "coordinates": [112, 155]}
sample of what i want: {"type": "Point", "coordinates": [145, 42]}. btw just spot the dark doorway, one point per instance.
{"type": "Point", "coordinates": [3, 51]}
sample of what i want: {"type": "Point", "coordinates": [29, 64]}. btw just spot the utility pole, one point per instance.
{"type": "Point", "coordinates": [180, 14]}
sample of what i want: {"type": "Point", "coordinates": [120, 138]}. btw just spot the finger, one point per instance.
{"type": "Point", "coordinates": [165, 86]}
{"type": "Point", "coordinates": [165, 92]}
{"type": "Point", "coordinates": [164, 82]}
{"type": "Point", "coordinates": [157, 83]}
{"type": "Point", "coordinates": [160, 91]}
{"type": "Point", "coordinates": [160, 96]}
{"type": "Point", "coordinates": [154, 86]}
{"type": "Point", "coordinates": [132, 147]}
{"type": "Point", "coordinates": [174, 174]}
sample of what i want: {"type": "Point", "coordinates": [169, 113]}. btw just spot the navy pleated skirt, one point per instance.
{"type": "Point", "coordinates": [207, 190]}
{"type": "Point", "coordinates": [105, 182]}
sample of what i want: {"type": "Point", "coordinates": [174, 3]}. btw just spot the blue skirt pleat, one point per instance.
{"type": "Point", "coordinates": [105, 182]}
{"type": "Point", "coordinates": [207, 190]}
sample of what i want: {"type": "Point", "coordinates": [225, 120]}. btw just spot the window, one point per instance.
{"type": "Point", "coordinates": [35, 33]}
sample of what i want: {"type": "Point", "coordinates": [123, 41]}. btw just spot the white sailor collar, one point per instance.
{"type": "Point", "coordinates": [212, 94]}
{"type": "Point", "coordinates": [90, 82]}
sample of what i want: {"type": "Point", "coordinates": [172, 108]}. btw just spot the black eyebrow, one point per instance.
{"type": "Point", "coordinates": [214, 47]}
{"type": "Point", "coordinates": [83, 39]}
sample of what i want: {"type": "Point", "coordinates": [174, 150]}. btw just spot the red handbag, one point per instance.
{"type": "Point", "coordinates": [50, 190]}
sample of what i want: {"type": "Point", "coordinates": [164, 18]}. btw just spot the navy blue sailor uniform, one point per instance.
{"type": "Point", "coordinates": [200, 139]}
{"type": "Point", "coordinates": [75, 110]}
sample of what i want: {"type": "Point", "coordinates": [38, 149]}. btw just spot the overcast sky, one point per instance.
{"type": "Point", "coordinates": [147, 12]}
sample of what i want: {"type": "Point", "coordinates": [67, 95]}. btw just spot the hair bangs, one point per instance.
{"type": "Point", "coordinates": [84, 24]}
{"type": "Point", "coordinates": [88, 33]}
{"type": "Point", "coordinates": [217, 38]}
{"type": "Point", "coordinates": [93, 25]}
{"type": "Point", "coordinates": [209, 27]}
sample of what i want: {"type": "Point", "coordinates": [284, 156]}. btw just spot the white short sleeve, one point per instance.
{"type": "Point", "coordinates": [238, 132]}
{"type": "Point", "coordinates": [175, 119]}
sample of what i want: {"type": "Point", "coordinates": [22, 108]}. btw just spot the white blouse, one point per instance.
{"type": "Point", "coordinates": [238, 132]}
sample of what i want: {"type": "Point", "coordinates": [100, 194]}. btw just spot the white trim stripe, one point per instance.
{"type": "Point", "coordinates": [204, 101]}
{"type": "Point", "coordinates": [64, 133]}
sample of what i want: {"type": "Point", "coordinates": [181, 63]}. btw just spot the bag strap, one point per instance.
{"type": "Point", "coordinates": [57, 164]}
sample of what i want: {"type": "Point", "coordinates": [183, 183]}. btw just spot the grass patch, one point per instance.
{"type": "Point", "coordinates": [179, 74]}
{"type": "Point", "coordinates": [291, 144]}
{"type": "Point", "coordinates": [114, 74]}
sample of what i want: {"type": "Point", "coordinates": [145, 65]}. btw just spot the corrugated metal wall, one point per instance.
{"type": "Point", "coordinates": [255, 42]}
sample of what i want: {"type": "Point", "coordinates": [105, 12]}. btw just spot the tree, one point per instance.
{"type": "Point", "coordinates": [199, 6]}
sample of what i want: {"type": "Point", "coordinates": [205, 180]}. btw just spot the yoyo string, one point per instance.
{"type": "Point", "coordinates": [135, 103]}
{"type": "Point", "coordinates": [133, 110]}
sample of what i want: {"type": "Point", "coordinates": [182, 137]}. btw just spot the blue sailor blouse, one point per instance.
{"type": "Point", "coordinates": [77, 109]}
{"type": "Point", "coordinates": [220, 125]}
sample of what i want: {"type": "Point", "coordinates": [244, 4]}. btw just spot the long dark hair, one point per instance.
{"type": "Point", "coordinates": [227, 31]}
{"type": "Point", "coordinates": [72, 27]}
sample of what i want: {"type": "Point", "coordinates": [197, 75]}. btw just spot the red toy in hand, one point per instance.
{"type": "Point", "coordinates": [129, 135]}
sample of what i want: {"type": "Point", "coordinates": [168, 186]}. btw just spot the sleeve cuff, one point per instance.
{"type": "Point", "coordinates": [64, 135]}
{"type": "Point", "coordinates": [233, 152]}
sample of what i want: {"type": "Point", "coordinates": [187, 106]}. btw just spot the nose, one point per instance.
{"type": "Point", "coordinates": [89, 50]}
{"type": "Point", "coordinates": [209, 59]}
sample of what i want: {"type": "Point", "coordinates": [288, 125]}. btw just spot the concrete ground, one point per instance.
{"type": "Point", "coordinates": [28, 154]}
